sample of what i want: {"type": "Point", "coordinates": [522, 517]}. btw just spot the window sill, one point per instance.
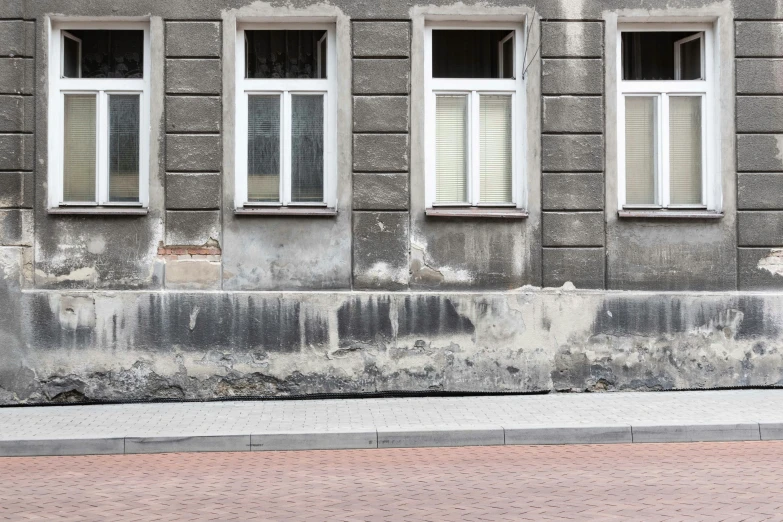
{"type": "Point", "coordinates": [669, 214]}
{"type": "Point", "coordinates": [100, 211]}
{"type": "Point", "coordinates": [286, 211]}
{"type": "Point", "coordinates": [477, 212]}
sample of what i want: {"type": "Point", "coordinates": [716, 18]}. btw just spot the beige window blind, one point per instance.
{"type": "Point", "coordinates": [685, 150]}
{"type": "Point", "coordinates": [495, 148]}
{"type": "Point", "coordinates": [79, 148]}
{"type": "Point", "coordinates": [640, 150]}
{"type": "Point", "coordinates": [451, 146]}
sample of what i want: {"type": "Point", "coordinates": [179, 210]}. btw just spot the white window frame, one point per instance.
{"type": "Point", "coordinates": [101, 88]}
{"type": "Point", "coordinates": [662, 91]}
{"type": "Point", "coordinates": [285, 87]}
{"type": "Point", "coordinates": [473, 88]}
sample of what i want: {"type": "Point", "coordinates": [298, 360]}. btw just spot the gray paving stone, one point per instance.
{"type": "Point", "coordinates": [695, 433]}
{"type": "Point", "coordinates": [196, 444]}
{"type": "Point", "coordinates": [315, 440]}
{"type": "Point", "coordinates": [62, 447]}
{"type": "Point", "coordinates": [440, 437]}
{"type": "Point", "coordinates": [568, 434]}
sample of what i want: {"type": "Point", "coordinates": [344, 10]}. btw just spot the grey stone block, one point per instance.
{"type": "Point", "coordinates": [193, 114]}
{"type": "Point", "coordinates": [323, 440]}
{"type": "Point", "coordinates": [16, 75]}
{"type": "Point", "coordinates": [186, 191]}
{"type": "Point", "coordinates": [574, 76]}
{"type": "Point", "coordinates": [760, 269]}
{"type": "Point", "coordinates": [759, 114]}
{"type": "Point", "coordinates": [381, 191]}
{"type": "Point", "coordinates": [573, 229]}
{"type": "Point", "coordinates": [17, 38]}
{"type": "Point", "coordinates": [381, 76]}
{"type": "Point", "coordinates": [573, 114]}
{"type": "Point", "coordinates": [572, 39]}
{"type": "Point", "coordinates": [572, 191]}
{"type": "Point", "coordinates": [16, 114]}
{"type": "Point", "coordinates": [619, 434]}
{"type": "Point", "coordinates": [186, 76]}
{"type": "Point", "coordinates": [758, 39]}
{"type": "Point", "coordinates": [16, 151]}
{"type": "Point", "coordinates": [759, 76]}
{"type": "Point", "coordinates": [217, 443]}
{"type": "Point", "coordinates": [381, 39]}
{"type": "Point", "coordinates": [441, 436]}
{"type": "Point", "coordinates": [758, 9]}
{"type": "Point", "coordinates": [760, 152]}
{"type": "Point", "coordinates": [572, 153]}
{"type": "Point", "coordinates": [61, 447]}
{"type": "Point", "coordinates": [16, 227]}
{"type": "Point", "coordinates": [760, 228]}
{"type": "Point", "coordinates": [584, 267]}
{"type": "Point", "coordinates": [380, 250]}
{"type": "Point", "coordinates": [16, 189]}
{"type": "Point", "coordinates": [193, 39]}
{"type": "Point", "coordinates": [192, 228]}
{"type": "Point", "coordinates": [696, 433]}
{"type": "Point", "coordinates": [194, 153]}
{"type": "Point", "coordinates": [380, 152]}
{"type": "Point", "coordinates": [771, 430]}
{"type": "Point", "coordinates": [380, 113]}
{"type": "Point", "coordinates": [759, 191]}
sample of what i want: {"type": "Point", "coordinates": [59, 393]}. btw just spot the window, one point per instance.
{"type": "Point", "coordinates": [99, 114]}
{"type": "Point", "coordinates": [286, 116]}
{"type": "Point", "coordinates": [474, 102]}
{"type": "Point", "coordinates": [667, 151]}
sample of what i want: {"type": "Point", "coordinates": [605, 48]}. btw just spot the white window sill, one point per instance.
{"type": "Point", "coordinates": [477, 212]}
{"type": "Point", "coordinates": [669, 214]}
{"type": "Point", "coordinates": [100, 211]}
{"type": "Point", "coordinates": [286, 211]}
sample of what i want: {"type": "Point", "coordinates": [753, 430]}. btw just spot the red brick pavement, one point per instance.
{"type": "Point", "coordinates": [646, 482]}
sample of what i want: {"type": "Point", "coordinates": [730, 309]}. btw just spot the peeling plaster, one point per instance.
{"type": "Point", "coordinates": [772, 263]}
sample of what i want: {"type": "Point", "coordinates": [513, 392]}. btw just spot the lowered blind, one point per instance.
{"type": "Point", "coordinates": [263, 148]}
{"type": "Point", "coordinates": [451, 149]}
{"type": "Point", "coordinates": [123, 147]}
{"type": "Point", "coordinates": [307, 148]}
{"type": "Point", "coordinates": [79, 147]}
{"type": "Point", "coordinates": [639, 150]}
{"type": "Point", "coordinates": [495, 151]}
{"type": "Point", "coordinates": [685, 150]}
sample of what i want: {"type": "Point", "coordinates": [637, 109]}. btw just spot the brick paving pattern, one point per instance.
{"type": "Point", "coordinates": [646, 482]}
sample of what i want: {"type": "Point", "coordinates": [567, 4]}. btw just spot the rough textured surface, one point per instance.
{"type": "Point", "coordinates": [573, 114]}
{"type": "Point", "coordinates": [381, 76]}
{"type": "Point", "coordinates": [760, 152]}
{"type": "Point", "coordinates": [760, 269]}
{"type": "Point", "coordinates": [380, 191]}
{"type": "Point", "coordinates": [193, 76]}
{"type": "Point", "coordinates": [16, 189]}
{"type": "Point", "coordinates": [16, 114]}
{"type": "Point", "coordinates": [759, 76]}
{"type": "Point", "coordinates": [16, 227]}
{"type": "Point", "coordinates": [380, 152]}
{"type": "Point", "coordinates": [759, 191]}
{"type": "Point", "coordinates": [199, 39]}
{"type": "Point", "coordinates": [572, 40]}
{"type": "Point", "coordinates": [373, 39]}
{"type": "Point", "coordinates": [192, 228]}
{"type": "Point", "coordinates": [17, 38]}
{"type": "Point", "coordinates": [192, 191]}
{"type": "Point", "coordinates": [759, 39]}
{"type": "Point", "coordinates": [16, 76]}
{"type": "Point", "coordinates": [380, 250]}
{"type": "Point", "coordinates": [759, 114]}
{"type": "Point", "coordinates": [760, 228]}
{"type": "Point", "coordinates": [572, 76]}
{"type": "Point", "coordinates": [193, 114]}
{"type": "Point", "coordinates": [194, 153]}
{"type": "Point", "coordinates": [572, 191]}
{"type": "Point", "coordinates": [380, 113]}
{"type": "Point", "coordinates": [16, 152]}
{"type": "Point", "coordinates": [572, 153]}
{"type": "Point", "coordinates": [582, 267]}
{"type": "Point", "coordinates": [583, 229]}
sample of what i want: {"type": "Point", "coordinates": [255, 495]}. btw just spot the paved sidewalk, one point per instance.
{"type": "Point", "coordinates": [393, 423]}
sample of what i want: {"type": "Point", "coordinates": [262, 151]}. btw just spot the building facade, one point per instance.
{"type": "Point", "coordinates": [220, 198]}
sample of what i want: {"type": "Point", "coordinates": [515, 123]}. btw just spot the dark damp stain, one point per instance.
{"type": "Point", "coordinates": [316, 331]}
{"type": "Point", "coordinates": [639, 316]}
{"type": "Point", "coordinates": [512, 370]}
{"type": "Point", "coordinates": [431, 315]}
{"type": "Point", "coordinates": [755, 323]}
{"type": "Point", "coordinates": [49, 333]}
{"type": "Point", "coordinates": [759, 349]}
{"type": "Point", "coordinates": [362, 319]}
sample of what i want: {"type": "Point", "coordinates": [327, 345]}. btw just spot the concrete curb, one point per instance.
{"type": "Point", "coordinates": [397, 437]}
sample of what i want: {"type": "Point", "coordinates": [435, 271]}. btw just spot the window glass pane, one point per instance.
{"type": "Point", "coordinates": [284, 54]}
{"type": "Point", "coordinates": [79, 148]}
{"type": "Point", "coordinates": [451, 141]}
{"type": "Point", "coordinates": [123, 147]}
{"type": "Point", "coordinates": [690, 60]}
{"type": "Point", "coordinates": [650, 55]}
{"type": "Point", "coordinates": [110, 54]}
{"type": "Point", "coordinates": [70, 57]}
{"type": "Point", "coordinates": [640, 150]}
{"type": "Point", "coordinates": [508, 58]}
{"type": "Point", "coordinates": [263, 148]}
{"type": "Point", "coordinates": [495, 135]}
{"type": "Point", "coordinates": [685, 150]}
{"type": "Point", "coordinates": [322, 57]}
{"type": "Point", "coordinates": [307, 148]}
{"type": "Point", "coordinates": [467, 53]}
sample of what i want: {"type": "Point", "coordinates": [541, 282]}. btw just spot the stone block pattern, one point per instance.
{"type": "Point", "coordinates": [759, 106]}
{"type": "Point", "coordinates": [17, 126]}
{"type": "Point", "coordinates": [572, 154]}
{"type": "Point", "coordinates": [381, 154]}
{"type": "Point", "coordinates": [194, 148]}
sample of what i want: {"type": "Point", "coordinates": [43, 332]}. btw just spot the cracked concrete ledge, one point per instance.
{"type": "Point", "coordinates": [391, 437]}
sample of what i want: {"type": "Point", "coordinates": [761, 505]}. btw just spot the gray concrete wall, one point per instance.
{"type": "Point", "coordinates": [193, 299]}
